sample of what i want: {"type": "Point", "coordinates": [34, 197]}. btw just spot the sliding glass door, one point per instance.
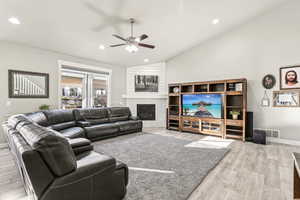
{"type": "Point", "coordinates": [99, 90]}
{"type": "Point", "coordinates": [73, 90]}
{"type": "Point", "coordinates": [82, 89]}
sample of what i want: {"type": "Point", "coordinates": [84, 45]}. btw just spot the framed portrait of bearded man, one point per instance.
{"type": "Point", "coordinates": [289, 77]}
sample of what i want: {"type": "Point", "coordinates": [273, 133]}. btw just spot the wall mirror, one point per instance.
{"type": "Point", "coordinates": [23, 84]}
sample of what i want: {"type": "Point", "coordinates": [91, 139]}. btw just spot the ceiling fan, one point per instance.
{"type": "Point", "coordinates": [132, 42]}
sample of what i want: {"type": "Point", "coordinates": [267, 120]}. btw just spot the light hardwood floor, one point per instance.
{"type": "Point", "coordinates": [248, 172]}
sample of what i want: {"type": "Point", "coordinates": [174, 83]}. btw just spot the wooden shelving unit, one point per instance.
{"type": "Point", "coordinates": [234, 92]}
{"type": "Point", "coordinates": [174, 107]}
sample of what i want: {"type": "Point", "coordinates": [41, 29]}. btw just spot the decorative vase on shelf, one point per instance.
{"type": "Point", "coordinates": [235, 117]}
{"type": "Point", "coordinates": [235, 114]}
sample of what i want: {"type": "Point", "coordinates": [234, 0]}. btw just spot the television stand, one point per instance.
{"type": "Point", "coordinates": [234, 100]}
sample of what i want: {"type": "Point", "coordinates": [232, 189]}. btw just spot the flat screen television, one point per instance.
{"type": "Point", "coordinates": [203, 105]}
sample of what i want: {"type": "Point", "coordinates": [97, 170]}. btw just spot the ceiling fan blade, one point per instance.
{"type": "Point", "coordinates": [146, 45]}
{"type": "Point", "coordinates": [100, 27]}
{"type": "Point", "coordinates": [119, 37]}
{"type": "Point", "coordinates": [117, 45]}
{"type": "Point", "coordinates": [94, 9]}
{"type": "Point", "coordinates": [142, 37]}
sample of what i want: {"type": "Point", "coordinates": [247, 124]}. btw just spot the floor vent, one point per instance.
{"type": "Point", "coordinates": [275, 133]}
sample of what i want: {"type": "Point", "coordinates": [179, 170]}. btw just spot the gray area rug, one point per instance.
{"type": "Point", "coordinates": [182, 168]}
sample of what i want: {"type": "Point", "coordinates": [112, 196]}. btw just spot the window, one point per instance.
{"type": "Point", "coordinates": [82, 88]}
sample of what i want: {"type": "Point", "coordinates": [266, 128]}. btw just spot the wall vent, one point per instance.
{"type": "Point", "coordinates": [275, 133]}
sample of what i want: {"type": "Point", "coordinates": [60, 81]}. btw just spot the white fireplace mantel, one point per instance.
{"type": "Point", "coordinates": [144, 96]}
{"type": "Point", "coordinates": [160, 98]}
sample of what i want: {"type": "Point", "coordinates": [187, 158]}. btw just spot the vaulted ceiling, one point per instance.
{"type": "Point", "coordinates": [78, 27]}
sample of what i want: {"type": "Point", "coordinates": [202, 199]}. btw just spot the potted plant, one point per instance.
{"type": "Point", "coordinates": [44, 107]}
{"type": "Point", "coordinates": [235, 114]}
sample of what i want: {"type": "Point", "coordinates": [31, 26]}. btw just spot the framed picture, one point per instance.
{"type": "Point", "coordinates": [146, 83]}
{"type": "Point", "coordinates": [286, 98]}
{"type": "Point", "coordinates": [24, 84]}
{"type": "Point", "coordinates": [269, 81]}
{"type": "Point", "coordinates": [289, 77]}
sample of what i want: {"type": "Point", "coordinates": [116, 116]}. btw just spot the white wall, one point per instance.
{"type": "Point", "coordinates": [19, 57]}
{"type": "Point", "coordinates": [251, 51]}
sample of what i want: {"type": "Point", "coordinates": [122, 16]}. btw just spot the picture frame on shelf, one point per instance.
{"type": "Point", "coordinates": [289, 77]}
{"type": "Point", "coordinates": [239, 87]}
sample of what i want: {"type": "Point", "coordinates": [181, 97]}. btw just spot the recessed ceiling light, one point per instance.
{"type": "Point", "coordinates": [101, 46]}
{"type": "Point", "coordinates": [14, 20]}
{"type": "Point", "coordinates": [215, 21]}
{"type": "Point", "coordinates": [146, 60]}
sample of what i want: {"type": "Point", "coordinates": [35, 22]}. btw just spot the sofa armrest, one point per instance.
{"type": "Point", "coordinates": [80, 145]}
{"type": "Point", "coordinates": [90, 165]}
{"type": "Point", "coordinates": [120, 166]}
{"type": "Point", "coordinates": [134, 118]}
{"type": "Point", "coordinates": [83, 124]}
{"type": "Point", "coordinates": [96, 177]}
{"type": "Point", "coordinates": [78, 142]}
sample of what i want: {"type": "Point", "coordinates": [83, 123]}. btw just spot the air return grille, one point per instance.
{"type": "Point", "coordinates": [275, 133]}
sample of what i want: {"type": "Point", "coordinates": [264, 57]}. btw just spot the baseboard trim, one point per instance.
{"type": "Point", "coordinates": [283, 141]}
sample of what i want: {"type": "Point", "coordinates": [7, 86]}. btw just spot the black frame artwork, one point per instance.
{"type": "Point", "coordinates": [146, 83]}
{"type": "Point", "coordinates": [11, 83]}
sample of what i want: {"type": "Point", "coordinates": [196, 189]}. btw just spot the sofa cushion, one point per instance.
{"type": "Point", "coordinates": [62, 126]}
{"type": "Point", "coordinates": [128, 125]}
{"type": "Point", "coordinates": [59, 116]}
{"type": "Point", "coordinates": [102, 130]}
{"type": "Point", "coordinates": [38, 117]}
{"type": "Point", "coordinates": [52, 146]}
{"type": "Point", "coordinates": [74, 132]}
{"type": "Point", "coordinates": [119, 114]}
{"type": "Point", "coordinates": [92, 115]}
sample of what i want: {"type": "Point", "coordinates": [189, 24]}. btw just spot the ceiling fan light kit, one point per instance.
{"type": "Point", "coordinates": [132, 42]}
{"type": "Point", "coordinates": [131, 48]}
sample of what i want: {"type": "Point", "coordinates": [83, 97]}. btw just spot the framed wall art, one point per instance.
{"type": "Point", "coordinates": [269, 81]}
{"type": "Point", "coordinates": [286, 98]}
{"type": "Point", "coordinates": [24, 84]}
{"type": "Point", "coordinates": [289, 77]}
{"type": "Point", "coordinates": [146, 83]}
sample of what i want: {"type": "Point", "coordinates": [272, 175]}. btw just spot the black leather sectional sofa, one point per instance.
{"type": "Point", "coordinates": [55, 156]}
{"type": "Point", "coordinates": [93, 123]}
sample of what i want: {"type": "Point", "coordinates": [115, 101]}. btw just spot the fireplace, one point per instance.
{"type": "Point", "coordinates": [146, 111]}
